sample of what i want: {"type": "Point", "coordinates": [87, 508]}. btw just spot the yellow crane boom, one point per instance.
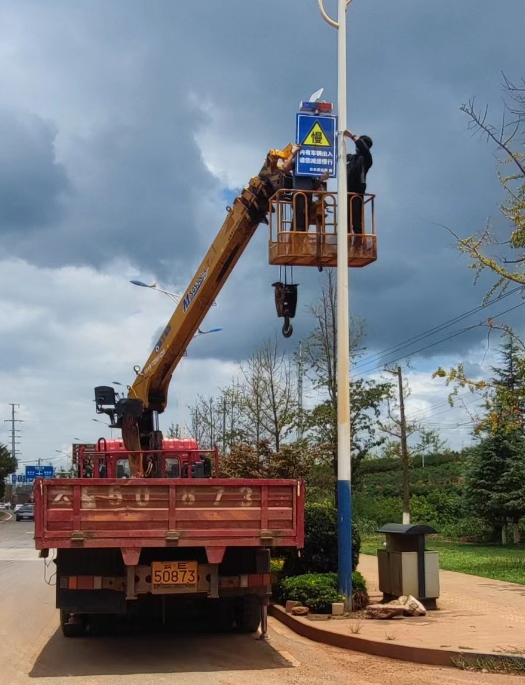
{"type": "Point", "coordinates": [137, 414]}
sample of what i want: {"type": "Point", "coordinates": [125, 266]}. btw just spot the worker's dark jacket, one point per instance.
{"type": "Point", "coordinates": [357, 167]}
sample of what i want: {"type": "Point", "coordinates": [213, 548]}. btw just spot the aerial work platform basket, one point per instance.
{"type": "Point", "coordinates": [303, 229]}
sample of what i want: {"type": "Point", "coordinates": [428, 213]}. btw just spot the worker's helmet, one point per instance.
{"type": "Point", "coordinates": [367, 140]}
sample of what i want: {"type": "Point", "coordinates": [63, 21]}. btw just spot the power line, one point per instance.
{"type": "Point", "coordinates": [372, 359]}
{"type": "Point", "coordinates": [448, 337]}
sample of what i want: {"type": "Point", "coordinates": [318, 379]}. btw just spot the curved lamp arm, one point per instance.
{"type": "Point", "coordinates": [328, 19]}
{"type": "Point", "coordinates": [325, 15]}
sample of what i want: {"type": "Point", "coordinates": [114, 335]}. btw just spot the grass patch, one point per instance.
{"type": "Point", "coordinates": [507, 665]}
{"type": "Point", "coordinates": [488, 561]}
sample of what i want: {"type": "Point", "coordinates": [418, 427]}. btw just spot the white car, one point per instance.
{"type": "Point", "coordinates": [17, 507]}
{"type": "Point", "coordinates": [2, 506]}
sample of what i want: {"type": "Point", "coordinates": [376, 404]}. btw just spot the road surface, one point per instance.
{"type": "Point", "coordinates": [32, 648]}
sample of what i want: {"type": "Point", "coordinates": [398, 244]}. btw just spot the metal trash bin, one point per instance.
{"type": "Point", "coordinates": [405, 566]}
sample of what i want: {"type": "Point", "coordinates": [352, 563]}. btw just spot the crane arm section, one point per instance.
{"type": "Point", "coordinates": [248, 211]}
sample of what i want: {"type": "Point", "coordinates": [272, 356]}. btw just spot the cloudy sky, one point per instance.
{"type": "Point", "coordinates": [126, 127]}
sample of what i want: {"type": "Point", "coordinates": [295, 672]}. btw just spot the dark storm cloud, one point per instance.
{"type": "Point", "coordinates": [144, 73]}
{"type": "Point", "coordinates": [32, 184]}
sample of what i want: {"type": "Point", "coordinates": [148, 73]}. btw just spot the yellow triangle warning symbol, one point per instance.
{"type": "Point", "coordinates": [317, 137]}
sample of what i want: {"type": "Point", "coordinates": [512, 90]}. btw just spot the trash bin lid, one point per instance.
{"type": "Point", "coordinates": [404, 529]}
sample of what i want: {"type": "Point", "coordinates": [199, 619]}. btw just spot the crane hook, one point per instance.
{"type": "Point", "coordinates": [287, 328]}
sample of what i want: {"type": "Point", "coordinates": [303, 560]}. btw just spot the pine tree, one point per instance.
{"type": "Point", "coordinates": [495, 481]}
{"type": "Point", "coordinates": [512, 482]}
{"type": "Point", "coordinates": [506, 406]}
{"type": "Point", "coordinates": [495, 486]}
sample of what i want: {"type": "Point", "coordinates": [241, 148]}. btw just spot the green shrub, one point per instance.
{"type": "Point", "coordinates": [467, 529]}
{"type": "Point", "coordinates": [276, 565]}
{"type": "Point", "coordinates": [318, 591]}
{"type": "Point", "coordinates": [320, 554]}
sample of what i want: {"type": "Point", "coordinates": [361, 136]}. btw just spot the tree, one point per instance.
{"type": "Point", "coordinates": [269, 403]}
{"type": "Point", "coordinates": [398, 427]}
{"type": "Point", "coordinates": [366, 397]}
{"type": "Point", "coordinates": [8, 465]}
{"type": "Point", "coordinates": [503, 396]}
{"type": "Point", "coordinates": [174, 431]}
{"type": "Point", "coordinates": [494, 483]}
{"type": "Point", "coordinates": [294, 460]}
{"type": "Point", "coordinates": [485, 249]}
{"type": "Point", "coordinates": [502, 255]}
{"type": "Point", "coordinates": [205, 419]}
{"type": "Point", "coordinates": [506, 407]}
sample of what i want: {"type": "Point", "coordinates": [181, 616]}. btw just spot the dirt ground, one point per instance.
{"type": "Point", "coordinates": [33, 649]}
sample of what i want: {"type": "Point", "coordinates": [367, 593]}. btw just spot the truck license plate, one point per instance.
{"type": "Point", "coordinates": [167, 574]}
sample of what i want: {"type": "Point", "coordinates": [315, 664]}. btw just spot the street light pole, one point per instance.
{"type": "Point", "coordinates": [344, 467]}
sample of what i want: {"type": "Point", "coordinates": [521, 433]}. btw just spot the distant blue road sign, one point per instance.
{"type": "Point", "coordinates": [317, 136]}
{"type": "Point", "coordinates": [33, 472]}
{"type": "Point", "coordinates": [21, 479]}
{"type": "Point", "coordinates": [13, 479]}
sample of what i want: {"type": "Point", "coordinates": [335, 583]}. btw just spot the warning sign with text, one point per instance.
{"type": "Point", "coordinates": [317, 137]}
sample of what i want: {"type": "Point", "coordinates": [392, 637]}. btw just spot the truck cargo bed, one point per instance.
{"type": "Point", "coordinates": [135, 513]}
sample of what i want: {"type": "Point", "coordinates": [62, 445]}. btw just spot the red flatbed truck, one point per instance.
{"type": "Point", "coordinates": [164, 548]}
{"type": "Point", "coordinates": [148, 537]}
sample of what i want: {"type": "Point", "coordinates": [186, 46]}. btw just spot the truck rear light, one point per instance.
{"type": "Point", "coordinates": [255, 580]}
{"type": "Point", "coordinates": [84, 582]}
{"type": "Point", "coordinates": [81, 582]}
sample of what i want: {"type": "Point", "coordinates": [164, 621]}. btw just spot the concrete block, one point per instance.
{"type": "Point", "coordinates": [290, 604]}
{"type": "Point", "coordinates": [338, 609]}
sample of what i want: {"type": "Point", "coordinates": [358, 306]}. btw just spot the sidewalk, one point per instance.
{"type": "Point", "coordinates": [475, 615]}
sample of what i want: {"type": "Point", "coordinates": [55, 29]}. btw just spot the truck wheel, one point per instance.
{"type": "Point", "coordinates": [249, 615]}
{"type": "Point", "coordinates": [224, 616]}
{"type": "Point", "coordinates": [76, 629]}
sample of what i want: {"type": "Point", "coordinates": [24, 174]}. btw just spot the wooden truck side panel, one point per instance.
{"type": "Point", "coordinates": [103, 512]}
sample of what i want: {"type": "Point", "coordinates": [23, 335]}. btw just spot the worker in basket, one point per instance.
{"type": "Point", "coordinates": [357, 167]}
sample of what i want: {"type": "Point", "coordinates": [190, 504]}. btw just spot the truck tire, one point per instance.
{"type": "Point", "coordinates": [224, 615]}
{"type": "Point", "coordinates": [77, 629]}
{"type": "Point", "coordinates": [249, 615]}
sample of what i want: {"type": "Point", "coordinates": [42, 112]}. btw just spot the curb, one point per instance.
{"type": "Point", "coordinates": [5, 516]}
{"type": "Point", "coordinates": [418, 655]}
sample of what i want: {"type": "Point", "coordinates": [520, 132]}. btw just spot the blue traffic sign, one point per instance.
{"type": "Point", "coordinates": [13, 479]}
{"type": "Point", "coordinates": [21, 479]}
{"type": "Point", "coordinates": [33, 472]}
{"type": "Point", "coordinates": [317, 136]}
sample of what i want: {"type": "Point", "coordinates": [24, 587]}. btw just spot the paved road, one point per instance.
{"type": "Point", "coordinates": [32, 647]}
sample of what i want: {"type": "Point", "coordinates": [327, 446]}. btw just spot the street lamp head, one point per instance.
{"type": "Point", "coordinates": [142, 284]}
{"type": "Point", "coordinates": [199, 332]}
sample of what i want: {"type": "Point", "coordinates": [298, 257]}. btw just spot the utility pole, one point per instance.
{"type": "Point", "coordinates": [404, 447]}
{"type": "Point", "coordinates": [13, 421]}
{"type": "Point", "coordinates": [223, 425]}
{"type": "Point", "coordinates": [300, 390]}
